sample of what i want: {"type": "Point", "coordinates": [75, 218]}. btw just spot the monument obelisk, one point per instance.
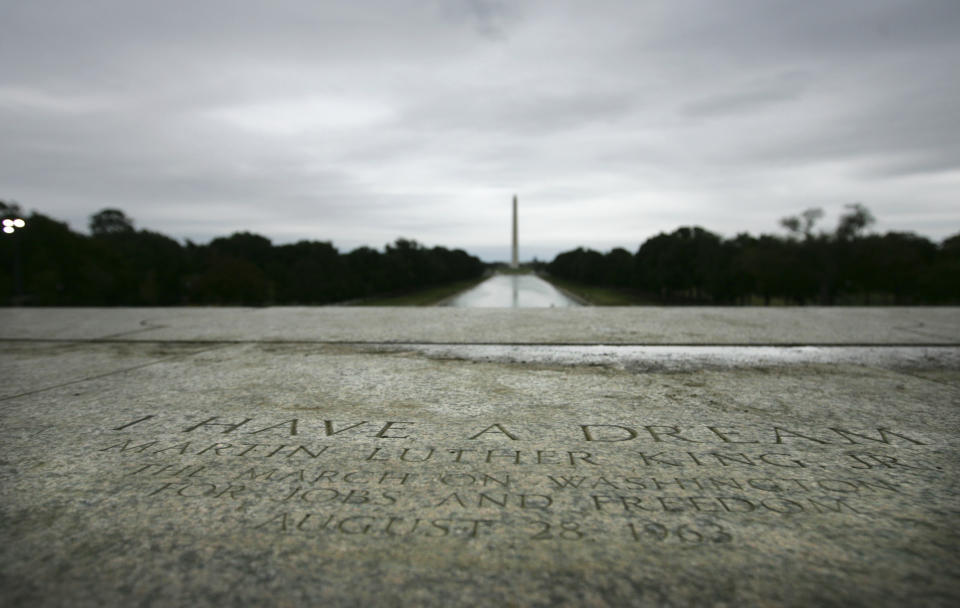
{"type": "Point", "coordinates": [514, 263]}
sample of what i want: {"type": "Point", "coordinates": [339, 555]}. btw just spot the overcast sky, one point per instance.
{"type": "Point", "coordinates": [359, 122]}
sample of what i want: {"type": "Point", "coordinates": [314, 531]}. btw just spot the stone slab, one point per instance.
{"type": "Point", "coordinates": [240, 472]}
{"type": "Point", "coordinates": [585, 325]}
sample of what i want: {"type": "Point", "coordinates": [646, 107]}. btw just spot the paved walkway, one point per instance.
{"type": "Point", "coordinates": [479, 457]}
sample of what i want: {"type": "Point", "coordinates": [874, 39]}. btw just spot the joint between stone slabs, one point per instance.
{"type": "Point", "coordinates": [767, 345]}
{"type": "Point", "coordinates": [111, 373]}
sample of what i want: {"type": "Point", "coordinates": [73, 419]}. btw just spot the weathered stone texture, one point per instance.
{"type": "Point", "coordinates": [151, 470]}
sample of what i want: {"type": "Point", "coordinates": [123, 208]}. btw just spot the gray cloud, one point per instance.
{"type": "Point", "coordinates": [360, 122]}
{"type": "Point", "coordinates": [490, 17]}
{"type": "Point", "coordinates": [746, 97]}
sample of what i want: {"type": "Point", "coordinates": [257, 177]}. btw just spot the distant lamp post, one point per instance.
{"type": "Point", "coordinates": [11, 225]}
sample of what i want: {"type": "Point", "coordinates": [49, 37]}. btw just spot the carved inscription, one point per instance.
{"type": "Point", "coordinates": [643, 484]}
{"type": "Point", "coordinates": [604, 433]}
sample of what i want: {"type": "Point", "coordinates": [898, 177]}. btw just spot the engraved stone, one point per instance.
{"type": "Point", "coordinates": [480, 458]}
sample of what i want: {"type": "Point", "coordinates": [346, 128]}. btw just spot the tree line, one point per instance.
{"type": "Point", "coordinates": [47, 263]}
{"type": "Point", "coordinates": [843, 266]}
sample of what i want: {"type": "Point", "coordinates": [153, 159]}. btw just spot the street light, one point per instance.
{"type": "Point", "coordinates": [10, 225]}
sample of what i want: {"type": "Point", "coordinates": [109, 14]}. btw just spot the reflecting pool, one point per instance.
{"type": "Point", "coordinates": [512, 291]}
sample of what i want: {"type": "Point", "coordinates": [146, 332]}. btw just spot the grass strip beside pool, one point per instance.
{"type": "Point", "coordinates": [599, 296]}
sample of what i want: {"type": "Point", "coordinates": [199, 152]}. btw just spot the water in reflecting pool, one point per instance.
{"type": "Point", "coordinates": [512, 291]}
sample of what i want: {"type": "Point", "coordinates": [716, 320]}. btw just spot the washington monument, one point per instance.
{"type": "Point", "coordinates": [514, 263]}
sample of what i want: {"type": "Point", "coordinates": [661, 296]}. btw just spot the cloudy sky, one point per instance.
{"type": "Point", "coordinates": [358, 122]}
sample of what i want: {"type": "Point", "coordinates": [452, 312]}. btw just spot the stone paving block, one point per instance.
{"type": "Point", "coordinates": [309, 472]}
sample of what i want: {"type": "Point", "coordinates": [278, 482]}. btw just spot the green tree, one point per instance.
{"type": "Point", "coordinates": [110, 221]}
{"type": "Point", "coordinates": [804, 223]}
{"type": "Point", "coordinates": [853, 222]}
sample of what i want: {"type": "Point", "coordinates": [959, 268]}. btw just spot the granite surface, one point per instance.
{"type": "Point", "coordinates": [582, 325]}
{"type": "Point", "coordinates": [353, 457]}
